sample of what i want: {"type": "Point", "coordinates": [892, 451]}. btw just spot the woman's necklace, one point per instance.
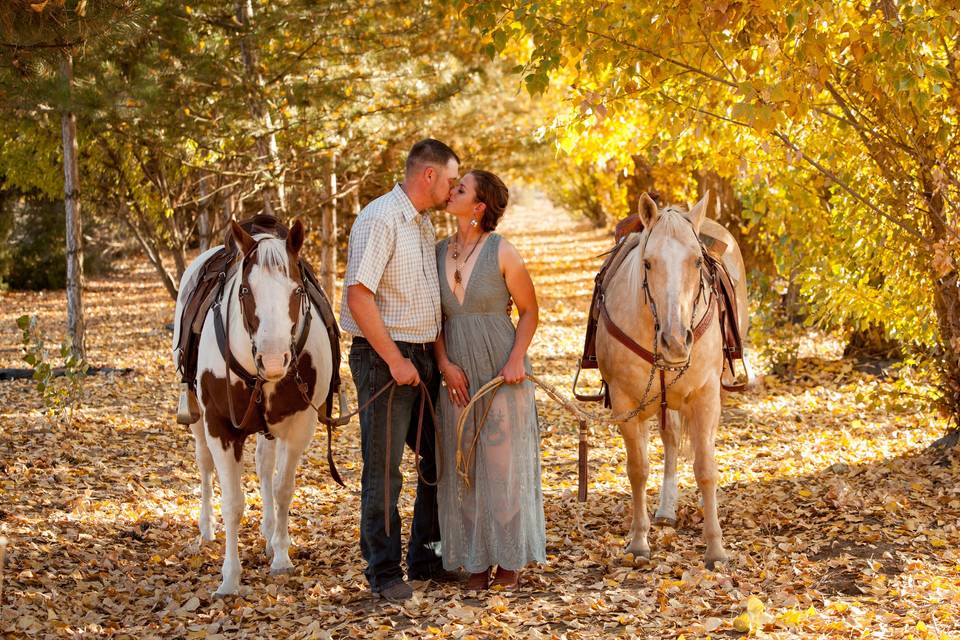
{"type": "Point", "coordinates": [455, 254]}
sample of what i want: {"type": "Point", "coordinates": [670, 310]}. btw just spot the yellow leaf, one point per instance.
{"type": "Point", "coordinates": [39, 6]}
{"type": "Point", "coordinates": [434, 630]}
{"type": "Point", "coordinates": [806, 493]}
{"type": "Point", "coordinates": [792, 617]}
{"type": "Point", "coordinates": [754, 605]}
{"type": "Point", "coordinates": [742, 623]}
{"type": "Point", "coordinates": [824, 74]}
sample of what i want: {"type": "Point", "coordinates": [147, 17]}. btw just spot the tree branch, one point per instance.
{"type": "Point", "coordinates": [908, 228]}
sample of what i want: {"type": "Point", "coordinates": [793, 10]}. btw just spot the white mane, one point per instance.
{"type": "Point", "coordinates": [272, 255]}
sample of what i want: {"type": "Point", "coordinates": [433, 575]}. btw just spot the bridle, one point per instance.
{"type": "Point", "coordinates": [254, 381]}
{"type": "Point", "coordinates": [703, 273]}
{"type": "Point", "coordinates": [658, 367]}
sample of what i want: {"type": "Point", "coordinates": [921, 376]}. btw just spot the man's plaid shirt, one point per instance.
{"type": "Point", "coordinates": [391, 252]}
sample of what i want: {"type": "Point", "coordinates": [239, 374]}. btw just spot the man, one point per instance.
{"type": "Point", "coordinates": [391, 305]}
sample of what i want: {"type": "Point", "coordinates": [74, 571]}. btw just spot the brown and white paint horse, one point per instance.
{"type": "Point", "coordinates": [658, 297]}
{"type": "Point", "coordinates": [264, 313]}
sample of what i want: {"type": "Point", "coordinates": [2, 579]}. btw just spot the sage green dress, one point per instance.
{"type": "Point", "coordinates": [498, 518]}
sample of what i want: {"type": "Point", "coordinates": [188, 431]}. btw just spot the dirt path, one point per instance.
{"type": "Point", "coordinates": [837, 522]}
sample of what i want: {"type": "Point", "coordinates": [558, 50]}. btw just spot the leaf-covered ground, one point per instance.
{"type": "Point", "coordinates": [839, 522]}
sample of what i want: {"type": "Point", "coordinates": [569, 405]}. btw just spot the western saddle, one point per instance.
{"type": "Point", "coordinates": [627, 236]}
{"type": "Point", "coordinates": [217, 270]}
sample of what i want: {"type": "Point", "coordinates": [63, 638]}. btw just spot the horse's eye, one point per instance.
{"type": "Point", "coordinates": [646, 264]}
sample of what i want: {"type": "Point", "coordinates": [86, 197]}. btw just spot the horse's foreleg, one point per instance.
{"type": "Point", "coordinates": [638, 468]}
{"type": "Point", "coordinates": [291, 448]}
{"type": "Point", "coordinates": [229, 470]}
{"type": "Point", "coordinates": [206, 467]}
{"type": "Point", "coordinates": [670, 436]}
{"type": "Point", "coordinates": [703, 418]}
{"type": "Point", "coordinates": [266, 458]}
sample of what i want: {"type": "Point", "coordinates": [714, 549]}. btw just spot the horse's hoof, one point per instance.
{"type": "Point", "coordinates": [282, 571]}
{"type": "Point", "coordinates": [661, 521]}
{"type": "Point", "coordinates": [220, 595]}
{"type": "Point", "coordinates": [636, 556]}
{"type": "Point", "coordinates": [714, 564]}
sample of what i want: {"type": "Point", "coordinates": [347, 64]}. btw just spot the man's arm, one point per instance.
{"type": "Point", "coordinates": [363, 309]}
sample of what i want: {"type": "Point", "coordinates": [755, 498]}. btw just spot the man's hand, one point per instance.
{"type": "Point", "coordinates": [404, 373]}
{"type": "Point", "coordinates": [365, 313]}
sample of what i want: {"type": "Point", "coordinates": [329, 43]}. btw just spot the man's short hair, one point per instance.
{"type": "Point", "coordinates": [429, 151]}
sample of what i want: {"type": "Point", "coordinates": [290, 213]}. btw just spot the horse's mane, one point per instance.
{"type": "Point", "coordinates": [272, 255]}
{"type": "Point", "coordinates": [673, 220]}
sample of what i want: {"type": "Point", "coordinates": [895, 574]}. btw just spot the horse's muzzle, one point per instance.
{"type": "Point", "coordinates": [674, 348]}
{"type": "Point", "coordinates": [273, 366]}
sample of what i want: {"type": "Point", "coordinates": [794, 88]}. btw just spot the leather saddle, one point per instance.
{"type": "Point", "coordinates": [219, 268]}
{"type": "Point", "coordinates": [627, 237]}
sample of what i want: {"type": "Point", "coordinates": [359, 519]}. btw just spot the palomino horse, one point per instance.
{"type": "Point", "coordinates": [262, 341]}
{"type": "Point", "coordinates": [662, 297]}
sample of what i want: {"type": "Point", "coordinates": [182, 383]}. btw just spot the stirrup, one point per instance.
{"type": "Point", "coordinates": [188, 409]}
{"type": "Point", "coordinates": [586, 397]}
{"type": "Point", "coordinates": [736, 383]}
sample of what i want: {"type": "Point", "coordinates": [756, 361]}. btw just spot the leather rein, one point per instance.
{"type": "Point", "coordinates": [653, 357]}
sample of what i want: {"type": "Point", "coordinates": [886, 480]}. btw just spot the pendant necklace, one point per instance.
{"type": "Point", "coordinates": [457, 277]}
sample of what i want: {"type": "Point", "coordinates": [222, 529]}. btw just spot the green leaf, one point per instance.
{"type": "Point", "coordinates": [23, 322]}
{"type": "Point", "coordinates": [500, 39]}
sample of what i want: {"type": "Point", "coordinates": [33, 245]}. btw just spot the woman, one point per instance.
{"type": "Point", "coordinates": [494, 515]}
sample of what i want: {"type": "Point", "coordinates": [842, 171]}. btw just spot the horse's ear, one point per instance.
{"type": "Point", "coordinates": [295, 237]}
{"type": "Point", "coordinates": [244, 240]}
{"type": "Point", "coordinates": [699, 211]}
{"type": "Point", "coordinates": [647, 209]}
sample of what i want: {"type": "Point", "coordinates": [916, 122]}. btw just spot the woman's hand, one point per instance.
{"type": "Point", "coordinates": [457, 384]}
{"type": "Point", "coordinates": [513, 372]}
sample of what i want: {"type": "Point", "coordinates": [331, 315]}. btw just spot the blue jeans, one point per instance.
{"type": "Point", "coordinates": [381, 552]}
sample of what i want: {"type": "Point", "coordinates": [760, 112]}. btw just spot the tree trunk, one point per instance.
{"type": "Point", "coordinates": [638, 182]}
{"type": "Point", "coordinates": [71, 188]}
{"type": "Point", "coordinates": [151, 250]}
{"type": "Point", "coordinates": [328, 234]}
{"type": "Point", "coordinates": [355, 202]}
{"type": "Point", "coordinates": [229, 204]}
{"type": "Point", "coordinates": [946, 303]}
{"type": "Point", "coordinates": [273, 191]}
{"type": "Point", "coordinates": [203, 220]}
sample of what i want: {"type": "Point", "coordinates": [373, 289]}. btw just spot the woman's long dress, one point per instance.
{"type": "Point", "coordinates": [498, 518]}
